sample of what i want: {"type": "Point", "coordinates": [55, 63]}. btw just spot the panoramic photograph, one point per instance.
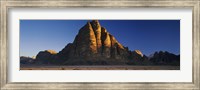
{"type": "Point", "coordinates": [99, 45]}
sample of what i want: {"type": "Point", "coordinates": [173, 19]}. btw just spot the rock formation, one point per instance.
{"type": "Point", "coordinates": [94, 45]}
{"type": "Point", "coordinates": [26, 60]}
{"type": "Point", "coordinates": [45, 57]}
{"type": "Point", "coordinates": [165, 58]}
{"type": "Point", "coordinates": [136, 55]}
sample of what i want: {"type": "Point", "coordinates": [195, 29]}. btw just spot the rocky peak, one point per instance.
{"type": "Point", "coordinates": [136, 55]}
{"type": "Point", "coordinates": [94, 42]}
{"type": "Point", "coordinates": [45, 57]}
{"type": "Point", "coordinates": [85, 44]}
{"type": "Point", "coordinates": [96, 25]}
{"type": "Point", "coordinates": [103, 30]}
{"type": "Point", "coordinates": [51, 51]}
{"type": "Point", "coordinates": [164, 57]}
{"type": "Point", "coordinates": [138, 52]}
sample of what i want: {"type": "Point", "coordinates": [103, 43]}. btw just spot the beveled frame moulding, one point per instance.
{"type": "Point", "coordinates": [7, 4]}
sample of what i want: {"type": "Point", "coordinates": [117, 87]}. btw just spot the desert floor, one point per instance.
{"type": "Point", "coordinates": [113, 67]}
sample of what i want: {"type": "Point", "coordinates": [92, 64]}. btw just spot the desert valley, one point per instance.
{"type": "Point", "coordinates": [94, 48]}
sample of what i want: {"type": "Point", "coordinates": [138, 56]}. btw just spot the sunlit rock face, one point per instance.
{"type": "Point", "coordinates": [138, 52]}
{"type": "Point", "coordinates": [97, 30]}
{"type": "Point", "coordinates": [106, 43]}
{"type": "Point", "coordinates": [85, 42]}
{"type": "Point", "coordinates": [51, 51]}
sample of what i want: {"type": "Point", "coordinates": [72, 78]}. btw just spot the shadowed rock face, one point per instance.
{"type": "Point", "coordinates": [165, 58]}
{"type": "Point", "coordinates": [94, 45]}
{"type": "Point", "coordinates": [26, 60]}
{"type": "Point", "coordinates": [136, 55]}
{"type": "Point", "coordinates": [45, 57]}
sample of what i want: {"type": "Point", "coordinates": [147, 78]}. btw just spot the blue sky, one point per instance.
{"type": "Point", "coordinates": [147, 36]}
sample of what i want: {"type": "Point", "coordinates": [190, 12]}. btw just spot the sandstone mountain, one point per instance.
{"type": "Point", "coordinates": [93, 45]}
